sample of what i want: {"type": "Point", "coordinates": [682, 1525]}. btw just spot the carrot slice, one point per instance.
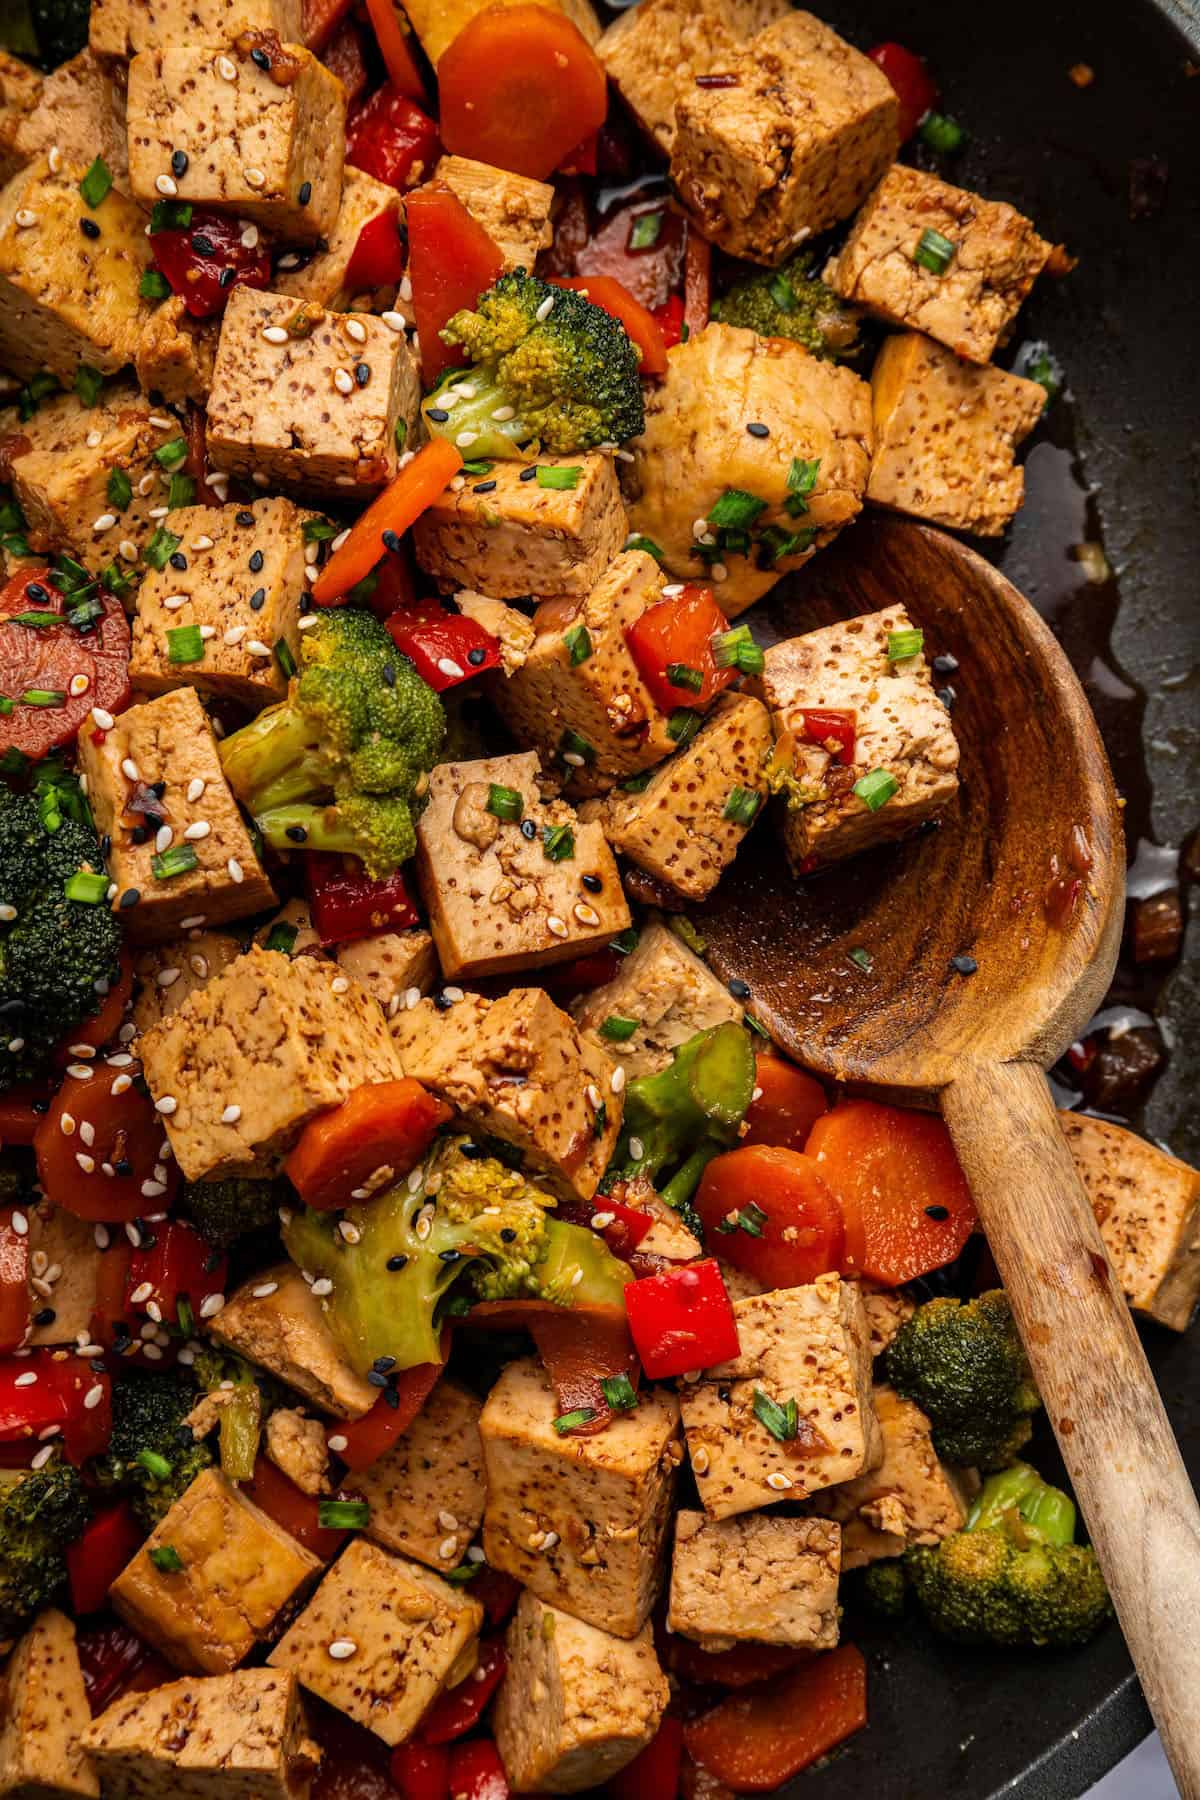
{"type": "Point", "coordinates": [383, 1123]}
{"type": "Point", "coordinates": [519, 89]}
{"type": "Point", "coordinates": [403, 500]}
{"type": "Point", "coordinates": [403, 72]}
{"type": "Point", "coordinates": [787, 1103]}
{"type": "Point", "coordinates": [756, 1740]}
{"type": "Point", "coordinates": [786, 1225]}
{"type": "Point", "coordinates": [612, 296]}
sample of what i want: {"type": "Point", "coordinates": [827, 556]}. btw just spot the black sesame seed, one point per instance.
{"type": "Point", "coordinates": [256, 562]}
{"type": "Point", "coordinates": [527, 474]}
{"type": "Point", "coordinates": [179, 560]}
{"type": "Point", "coordinates": [389, 674]}
{"type": "Point", "coordinates": [508, 1234]}
{"type": "Point", "coordinates": [390, 1396]}
{"type": "Point", "coordinates": [227, 277]}
{"type": "Point", "coordinates": [963, 965]}
{"type": "Point", "coordinates": [36, 591]}
{"type": "Point", "coordinates": [391, 540]}
{"type": "Point", "coordinates": [756, 428]}
{"type": "Point", "coordinates": [441, 1002]}
{"type": "Point", "coordinates": [202, 244]}
{"type": "Point", "coordinates": [47, 1316]}
{"type": "Point", "coordinates": [396, 1263]}
{"type": "Point", "coordinates": [179, 162]}
{"type": "Point", "coordinates": [158, 789]}
{"type": "Point", "coordinates": [129, 898]}
{"type": "Point", "coordinates": [945, 665]}
{"type": "Point", "coordinates": [261, 58]}
{"type": "Point", "coordinates": [384, 1363]}
{"type": "Point", "coordinates": [258, 599]}
{"type": "Point", "coordinates": [592, 883]}
{"type": "Point", "coordinates": [937, 1212]}
{"type": "Point", "coordinates": [362, 373]}
{"type": "Point", "coordinates": [438, 414]}
{"type": "Point", "coordinates": [477, 657]}
{"type": "Point", "coordinates": [376, 1379]}
{"type": "Point", "coordinates": [183, 1435]}
{"type": "Point", "coordinates": [448, 1256]}
{"type": "Point", "coordinates": [39, 1106]}
{"type": "Point", "coordinates": [305, 194]}
{"type": "Point", "coordinates": [138, 835]}
{"type": "Point", "coordinates": [739, 989]}
{"type": "Point", "coordinates": [89, 228]}
{"type": "Point", "coordinates": [472, 1152]}
{"type": "Point", "coordinates": [528, 829]}
{"type": "Point", "coordinates": [297, 833]}
{"type": "Point", "coordinates": [244, 517]}
{"type": "Point", "coordinates": [948, 698]}
{"type": "Point", "coordinates": [483, 487]}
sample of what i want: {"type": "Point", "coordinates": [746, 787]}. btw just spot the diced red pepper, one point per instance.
{"type": "Point", "coordinates": [115, 1661]}
{"type": "Point", "coordinates": [756, 1740]}
{"type": "Point", "coordinates": [14, 1283]}
{"type": "Point", "coordinates": [915, 87]}
{"type": "Point", "coordinates": [654, 1773]}
{"type": "Point", "coordinates": [58, 1396]}
{"type": "Point", "coordinates": [361, 1442]}
{"type": "Point", "coordinates": [382, 1122]}
{"type": "Point", "coordinates": [354, 1762]}
{"type": "Point", "coordinates": [105, 1022]}
{"type": "Point", "coordinates": [628, 1224]}
{"type": "Point", "coordinates": [207, 259]}
{"type": "Point", "coordinates": [126, 1141]}
{"type": "Point", "coordinates": [390, 138]}
{"type": "Point", "coordinates": [394, 584]}
{"type": "Point", "coordinates": [639, 324]}
{"type": "Point", "coordinates": [346, 904]}
{"type": "Point", "coordinates": [178, 1265]}
{"type": "Point", "coordinates": [579, 1346]}
{"type": "Point", "coordinates": [96, 1559]}
{"type": "Point", "coordinates": [18, 1118]}
{"type": "Point", "coordinates": [670, 320]}
{"type": "Point", "coordinates": [677, 634]}
{"type": "Point", "coordinates": [697, 282]}
{"type": "Point", "coordinates": [378, 258]}
{"type": "Point", "coordinates": [451, 261]}
{"type": "Point", "coordinates": [294, 1510]}
{"type": "Point", "coordinates": [651, 274]}
{"type": "Point", "coordinates": [447, 648]}
{"type": "Point", "coordinates": [344, 56]}
{"type": "Point", "coordinates": [497, 1593]}
{"type": "Point", "coordinates": [476, 1772]}
{"type": "Point", "coordinates": [565, 980]}
{"type": "Point", "coordinates": [460, 1708]}
{"type": "Point", "coordinates": [833, 729]}
{"type": "Point", "coordinates": [108, 1306]}
{"type": "Point", "coordinates": [421, 1771]}
{"type": "Point", "coordinates": [681, 1320]}
{"type": "Point", "coordinates": [45, 659]}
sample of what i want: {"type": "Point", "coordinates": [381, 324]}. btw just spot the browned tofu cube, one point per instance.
{"type": "Point", "coordinates": [317, 412]}
{"type": "Point", "coordinates": [521, 538]}
{"type": "Point", "coordinates": [808, 472]}
{"type": "Point", "coordinates": [902, 730]}
{"type": "Point", "coordinates": [166, 974]}
{"type": "Point", "coordinates": [379, 1638]}
{"type": "Point", "coordinates": [19, 89]}
{"type": "Point", "coordinates": [296, 1445]}
{"type": "Point", "coordinates": [45, 1715]}
{"type": "Point", "coordinates": [64, 1272]}
{"type": "Point", "coordinates": [242, 1734]}
{"type": "Point", "coordinates": [80, 114]}
{"type": "Point", "coordinates": [946, 434]}
{"type": "Point", "coordinates": [170, 740]}
{"type": "Point", "coordinates": [322, 275]}
{"type": "Point", "coordinates": [282, 1328]}
{"type": "Point", "coordinates": [654, 50]}
{"type": "Point", "coordinates": [516, 1068]}
{"type": "Point", "coordinates": [264, 143]}
{"type": "Point", "coordinates": [438, 22]}
{"type": "Point", "coordinates": [120, 28]}
{"type": "Point", "coordinates": [793, 146]}
{"type": "Point", "coordinates": [242, 588]}
{"type": "Point", "coordinates": [687, 824]}
{"type": "Point", "coordinates": [969, 303]}
{"type": "Point", "coordinates": [504, 896]}
{"type": "Point", "coordinates": [667, 991]}
{"type": "Point", "coordinates": [887, 1309]}
{"type": "Point", "coordinates": [579, 680]}
{"type": "Point", "coordinates": [577, 1704]}
{"type": "Point", "coordinates": [397, 967]}
{"type": "Point", "coordinates": [69, 299]}
{"type": "Point", "coordinates": [513, 209]}
{"type": "Point", "coordinates": [809, 1344]}
{"type": "Point", "coordinates": [239, 1574]}
{"type": "Point", "coordinates": [910, 1497]}
{"type": "Point", "coordinates": [755, 1580]}
{"type": "Point", "coordinates": [176, 354]}
{"type": "Point", "coordinates": [1147, 1205]}
{"type": "Point", "coordinates": [426, 1492]}
{"type": "Point", "coordinates": [289, 1037]}
{"type": "Point", "coordinates": [580, 1521]}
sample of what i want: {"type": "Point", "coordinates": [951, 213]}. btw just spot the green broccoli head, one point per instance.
{"type": "Point", "coordinates": [791, 302]}
{"type": "Point", "coordinates": [58, 956]}
{"type": "Point", "coordinates": [342, 763]}
{"type": "Point", "coordinates": [964, 1365]}
{"type": "Point", "coordinates": [41, 1514]}
{"type": "Point", "coordinates": [152, 1456]}
{"type": "Point", "coordinates": [555, 368]}
{"type": "Point", "coordinates": [883, 1588]}
{"type": "Point", "coordinates": [1014, 1576]}
{"type": "Point", "coordinates": [233, 1206]}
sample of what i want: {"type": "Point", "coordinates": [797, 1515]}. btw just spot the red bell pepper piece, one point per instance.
{"type": "Point", "coordinates": [654, 1774]}
{"type": "Point", "coordinates": [96, 1559]}
{"type": "Point", "coordinates": [626, 1227]}
{"type": "Point", "coordinates": [126, 1139]}
{"type": "Point", "coordinates": [421, 1771]}
{"type": "Point", "coordinates": [361, 1442]}
{"type": "Point", "coordinates": [14, 1283]}
{"type": "Point", "coordinates": [19, 1118]}
{"type": "Point", "coordinates": [476, 1772]}
{"type": "Point", "coordinates": [377, 259]}
{"type": "Point", "coordinates": [451, 261]}
{"type": "Point", "coordinates": [565, 980]}
{"type": "Point", "coordinates": [346, 904]}
{"type": "Point", "coordinates": [835, 730]}
{"type": "Point", "coordinates": [344, 56]}
{"type": "Point", "coordinates": [756, 1740]}
{"type": "Point", "coordinates": [195, 260]}
{"type": "Point", "coordinates": [653, 272]}
{"type": "Point", "coordinates": [394, 583]}
{"type": "Point", "coordinates": [639, 323]}
{"type": "Point", "coordinates": [676, 636]}
{"type": "Point", "coordinates": [178, 1266]}
{"type": "Point", "coordinates": [447, 648]}
{"type": "Point", "coordinates": [579, 1347]}
{"type": "Point", "coordinates": [697, 282]}
{"type": "Point", "coordinates": [772, 1215]}
{"type": "Point", "coordinates": [354, 1762]}
{"type": "Point", "coordinates": [382, 1122]}
{"type": "Point", "coordinates": [57, 1397]}
{"type": "Point", "coordinates": [46, 658]}
{"type": "Point", "coordinates": [412, 489]}
{"type": "Point", "coordinates": [915, 87]}
{"type": "Point", "coordinates": [392, 39]}
{"type": "Point", "coordinates": [460, 1708]}
{"type": "Point", "coordinates": [669, 317]}
{"type": "Point", "coordinates": [496, 1592]}
{"type": "Point", "coordinates": [115, 1661]}
{"type": "Point", "coordinates": [281, 1500]}
{"type": "Point", "coordinates": [390, 138]}
{"type": "Point", "coordinates": [319, 20]}
{"type": "Point", "coordinates": [681, 1320]}
{"type": "Point", "coordinates": [112, 1275]}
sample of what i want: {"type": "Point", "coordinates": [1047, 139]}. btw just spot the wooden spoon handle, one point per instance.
{"type": "Point", "coordinates": [1095, 1384]}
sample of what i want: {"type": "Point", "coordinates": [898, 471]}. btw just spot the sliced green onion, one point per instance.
{"type": "Point", "coordinates": [548, 477]}
{"type": "Point", "coordinates": [600, 1120]}
{"type": "Point", "coordinates": [282, 937]}
{"type": "Point", "coordinates": [70, 575]}
{"type": "Point", "coordinates": [170, 215]}
{"type": "Point", "coordinates": [903, 644]}
{"type": "Point", "coordinates": [640, 542]}
{"type": "Point", "coordinates": [400, 433]}
{"type": "Point", "coordinates": [802, 479]}
{"type": "Point", "coordinates": [782, 1422]}
{"type": "Point", "coordinates": [96, 184]}
{"type": "Point", "coordinates": [616, 1029]}
{"type": "Point", "coordinates": [683, 725]}
{"type": "Point", "coordinates": [862, 959]}
{"type": "Point", "coordinates": [757, 1026]}
{"type": "Point", "coordinates": [465, 1571]}
{"type": "Point", "coordinates": [166, 1559]}
{"type": "Point", "coordinates": [180, 859]}
{"type": "Point", "coordinates": [736, 508]}
{"type": "Point", "coordinates": [558, 843]}
{"type": "Point", "coordinates": [645, 231]}
{"type": "Point", "coordinates": [637, 784]}
{"type": "Point", "coordinates": [736, 649]}
{"type": "Point", "coordinates": [11, 516]}
{"type": "Point", "coordinates": [88, 382]}
{"type": "Point", "coordinates": [318, 531]}
{"type": "Point", "coordinates": [154, 1464]}
{"type": "Point", "coordinates": [154, 286]}
{"type": "Point", "coordinates": [161, 548]}
{"type": "Point", "coordinates": [683, 675]}
{"type": "Point", "coordinates": [579, 644]}
{"type": "Point", "coordinates": [477, 467]}
{"type": "Point", "coordinates": [750, 1219]}
{"type": "Point", "coordinates": [119, 489]}
{"type": "Point", "coordinates": [583, 1415]}
{"type": "Point", "coordinates": [571, 745]}
{"type": "Point", "coordinates": [43, 697]}
{"type": "Point", "coordinates": [933, 252]}
{"type": "Point", "coordinates": [86, 613]}
{"type": "Point", "coordinates": [35, 619]}
{"type": "Point", "coordinates": [86, 887]}
{"type": "Point", "coordinates": [775, 543]}
{"type": "Point", "coordinates": [681, 926]}
{"type": "Point", "coordinates": [172, 454]}
{"type": "Point", "coordinates": [343, 1515]}
{"type": "Point", "coordinates": [185, 1318]}
{"type": "Point", "coordinates": [504, 803]}
{"type": "Point", "coordinates": [625, 942]}
{"type": "Point", "coordinates": [941, 133]}
{"type": "Point", "coordinates": [782, 293]}
{"type": "Point", "coordinates": [876, 789]}
{"type": "Point", "coordinates": [181, 491]}
{"type": "Point", "coordinates": [6, 705]}
{"type": "Point", "coordinates": [284, 657]}
{"type": "Point", "coordinates": [115, 581]}
{"type": "Point", "coordinates": [37, 388]}
{"type": "Point", "coordinates": [184, 644]}
{"type": "Point", "coordinates": [619, 1391]}
{"type": "Point", "coordinates": [742, 806]}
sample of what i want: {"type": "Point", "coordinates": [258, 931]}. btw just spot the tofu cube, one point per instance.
{"type": "Point", "coordinates": [668, 1236]}
{"type": "Point", "coordinates": [667, 990]}
{"type": "Point", "coordinates": [514, 630]}
{"type": "Point", "coordinates": [516, 1068]}
{"type": "Point", "coordinates": [296, 1445]}
{"type": "Point", "coordinates": [397, 967]}
{"type": "Point", "coordinates": [809, 1344]}
{"type": "Point", "coordinates": [521, 538]}
{"type": "Point", "coordinates": [80, 111]}
{"type": "Point", "coordinates": [20, 87]}
{"type": "Point", "coordinates": [294, 414]}
{"type": "Point", "coordinates": [887, 1309]}
{"type": "Point", "coordinates": [580, 1521]}
{"type": "Point", "coordinates": [120, 28]}
{"type": "Point", "coordinates": [61, 1305]}
{"type": "Point", "coordinates": [687, 824]}
{"type": "Point", "coordinates": [69, 299]}
{"type": "Point", "coordinates": [166, 974]}
{"type": "Point", "coordinates": [241, 1573]}
{"type": "Point", "coordinates": [242, 1734]}
{"type": "Point", "coordinates": [497, 903]}
{"type": "Point", "coordinates": [176, 354]}
{"type": "Point", "coordinates": [654, 50]}
{"type": "Point", "coordinates": [321, 276]}
{"type": "Point", "coordinates": [901, 729]}
{"type": "Point", "coordinates": [755, 1580]}
{"type": "Point", "coordinates": [398, 1629]}
{"type": "Point", "coordinates": [45, 1715]}
{"type": "Point", "coordinates": [579, 680]}
{"type": "Point", "coordinates": [170, 740]}
{"type": "Point", "coordinates": [426, 1492]}
{"type": "Point", "coordinates": [910, 1497]}
{"type": "Point", "coordinates": [277, 1032]}
{"type": "Point", "coordinates": [513, 209]}
{"type": "Point", "coordinates": [242, 587]}
{"type": "Point", "coordinates": [971, 303]}
{"type": "Point", "coordinates": [792, 148]}
{"type": "Point", "coordinates": [696, 449]}
{"type": "Point", "coordinates": [1147, 1205]}
{"type": "Point", "coordinates": [577, 1704]}
{"type": "Point", "coordinates": [266, 144]}
{"type": "Point", "coordinates": [285, 1331]}
{"type": "Point", "coordinates": [438, 22]}
{"type": "Point", "coordinates": [61, 481]}
{"type": "Point", "coordinates": [946, 434]}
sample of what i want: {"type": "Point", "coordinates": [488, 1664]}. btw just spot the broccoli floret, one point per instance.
{"type": "Point", "coordinates": [883, 1588]}
{"type": "Point", "coordinates": [152, 1455]}
{"type": "Point", "coordinates": [964, 1365]}
{"type": "Point", "coordinates": [58, 956]}
{"type": "Point", "coordinates": [470, 1218]}
{"type": "Point", "coordinates": [41, 1514]}
{"type": "Point", "coordinates": [791, 303]}
{"type": "Point", "coordinates": [685, 1115]}
{"type": "Point", "coordinates": [341, 764]}
{"type": "Point", "coordinates": [1014, 1575]}
{"type": "Point", "coordinates": [566, 370]}
{"type": "Point", "coordinates": [247, 1396]}
{"type": "Point", "coordinates": [227, 1209]}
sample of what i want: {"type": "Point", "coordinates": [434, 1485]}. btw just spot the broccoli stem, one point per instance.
{"type": "Point", "coordinates": [1021, 1491]}
{"type": "Point", "coordinates": [321, 825]}
{"type": "Point", "coordinates": [273, 760]}
{"type": "Point", "coordinates": [683, 1184]}
{"type": "Point", "coordinates": [475, 411]}
{"type": "Point", "coordinates": [241, 1423]}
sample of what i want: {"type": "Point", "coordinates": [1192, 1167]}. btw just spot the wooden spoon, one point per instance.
{"type": "Point", "coordinates": [992, 883]}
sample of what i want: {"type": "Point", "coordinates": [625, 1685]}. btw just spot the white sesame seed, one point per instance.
{"type": "Point", "coordinates": [264, 1289]}
{"type": "Point", "coordinates": [25, 217]}
{"type": "Point", "coordinates": [322, 1287]}
{"type": "Point", "coordinates": [673, 588]}
{"type": "Point", "coordinates": [576, 1277]}
{"type": "Point", "coordinates": [100, 1236]}
{"type": "Point", "coordinates": [211, 1305]}
{"type": "Point", "coordinates": [249, 239]}
{"type": "Point", "coordinates": [587, 915]}
{"type": "Point", "coordinates": [26, 1379]}
{"type": "Point", "coordinates": [16, 1044]}
{"type": "Point", "coordinates": [356, 329]}
{"type": "Point", "coordinates": [465, 439]}
{"type": "Point", "coordinates": [154, 1312]}
{"type": "Point", "coordinates": [122, 1084]}
{"type": "Point", "coordinates": [199, 965]}
{"type": "Point", "coordinates": [163, 838]}
{"type": "Point", "coordinates": [339, 985]}
{"type": "Point", "coordinates": [166, 1105]}
{"type": "Point", "coordinates": [350, 1231]}
{"type": "Point", "coordinates": [546, 308]}
{"type": "Point", "coordinates": [203, 542]}
{"type": "Point", "coordinates": [193, 922]}
{"type": "Point", "coordinates": [128, 550]}
{"type": "Point", "coordinates": [166, 186]}
{"type": "Point", "coordinates": [231, 1115]}
{"type": "Point", "coordinates": [573, 758]}
{"type": "Point", "coordinates": [448, 1549]}
{"type": "Point", "coordinates": [393, 320]}
{"type": "Point", "coordinates": [134, 1235]}
{"type": "Point", "coordinates": [226, 68]}
{"type": "Point", "coordinates": [66, 1123]}
{"type": "Point", "coordinates": [79, 684]}
{"type": "Point", "coordinates": [173, 602]}
{"type": "Point", "coordinates": [152, 1352]}
{"type": "Point", "coordinates": [718, 571]}
{"type": "Point", "coordinates": [168, 977]}
{"type": "Point", "coordinates": [337, 1442]}
{"type": "Point", "coordinates": [602, 1220]}
{"type": "Point", "coordinates": [207, 631]}
{"type": "Point", "coordinates": [103, 721]}
{"type": "Point", "coordinates": [142, 1292]}
{"type": "Point", "coordinates": [405, 290]}
{"type": "Point", "coordinates": [86, 1163]}
{"type": "Point", "coordinates": [80, 1071]}
{"type": "Point", "coordinates": [424, 1224]}
{"type": "Point", "coordinates": [416, 1177]}
{"type": "Point", "coordinates": [475, 1554]}
{"type": "Point", "coordinates": [700, 1460]}
{"type": "Point", "coordinates": [7, 911]}
{"type": "Point", "coordinates": [152, 1189]}
{"type": "Point", "coordinates": [254, 178]}
{"type": "Point", "coordinates": [551, 1537]}
{"type": "Point", "coordinates": [105, 522]}
{"type": "Point", "coordinates": [779, 1481]}
{"type": "Point", "coordinates": [199, 828]}
{"type": "Point", "coordinates": [453, 994]}
{"type": "Point", "coordinates": [43, 1457]}
{"type": "Point", "coordinates": [343, 381]}
{"type": "Point", "coordinates": [233, 869]}
{"type": "Point", "coordinates": [129, 769]}
{"type": "Point", "coordinates": [535, 1540]}
{"type": "Point", "coordinates": [412, 997]}
{"type": "Point", "coordinates": [158, 512]}
{"type": "Point", "coordinates": [86, 1051]}
{"type": "Point", "coordinates": [275, 334]}
{"type": "Point", "coordinates": [504, 412]}
{"type": "Point", "coordinates": [54, 159]}
{"type": "Point", "coordinates": [342, 1648]}
{"type": "Point", "coordinates": [448, 667]}
{"type": "Point", "coordinates": [618, 1080]}
{"type": "Point", "coordinates": [447, 1521]}
{"type": "Point", "coordinates": [87, 1133]}
{"type": "Point", "coordinates": [457, 483]}
{"type": "Point", "coordinates": [195, 787]}
{"type": "Point", "coordinates": [145, 485]}
{"type": "Point", "coordinates": [557, 926]}
{"type": "Point", "coordinates": [256, 647]}
{"type": "Point", "coordinates": [594, 1095]}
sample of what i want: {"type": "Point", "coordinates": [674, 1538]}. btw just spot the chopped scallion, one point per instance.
{"type": "Point", "coordinates": [318, 531]}
{"type": "Point", "coordinates": [504, 803]}
{"type": "Point", "coordinates": [180, 859]}
{"type": "Point", "coordinates": [625, 942]}
{"type": "Point", "coordinates": [569, 1421]}
{"type": "Point", "coordinates": [736, 509]}
{"type": "Point", "coordinates": [683, 675]}
{"type": "Point", "coordinates": [782, 1422]}
{"type": "Point", "coordinates": [463, 1572]}
{"type": "Point", "coordinates": [96, 184]}
{"type": "Point", "coordinates": [549, 477]}
{"type": "Point", "coordinates": [616, 1029]}
{"type": "Point", "coordinates": [876, 788]}
{"type": "Point", "coordinates": [579, 644]}
{"type": "Point", "coordinates": [558, 843]}
{"type": "Point", "coordinates": [88, 382]}
{"type": "Point", "coordinates": [161, 548]}
{"type": "Point", "coordinates": [170, 215]}
{"type": "Point", "coordinates": [802, 479]}
{"type": "Point", "coordinates": [636, 784]}
{"type": "Point", "coordinates": [154, 286]}
{"type": "Point", "coordinates": [166, 1559]}
{"type": "Point", "coordinates": [933, 252]}
{"type": "Point", "coordinates": [862, 959]}
{"type": "Point", "coordinates": [172, 454]}
{"type": "Point", "coordinates": [477, 467]}
{"type": "Point", "coordinates": [941, 133]}
{"type": "Point", "coordinates": [619, 1391]}
{"type": "Point", "coordinates": [343, 1515]}
{"type": "Point", "coordinates": [572, 745]}
{"type": "Point", "coordinates": [782, 293]}
{"type": "Point", "coordinates": [282, 937]}
{"type": "Point", "coordinates": [43, 697]}
{"type": "Point", "coordinates": [86, 886]}
{"type": "Point", "coordinates": [903, 644]}
{"type": "Point", "coordinates": [742, 806]}
{"type": "Point", "coordinates": [736, 649]}
{"type": "Point", "coordinates": [683, 725]}
{"type": "Point", "coordinates": [645, 231]}
{"type": "Point", "coordinates": [181, 491]}
{"type": "Point", "coordinates": [154, 1464]}
{"type": "Point", "coordinates": [118, 489]}
{"type": "Point", "coordinates": [640, 542]}
{"type": "Point", "coordinates": [284, 657]}
{"type": "Point", "coordinates": [184, 644]}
